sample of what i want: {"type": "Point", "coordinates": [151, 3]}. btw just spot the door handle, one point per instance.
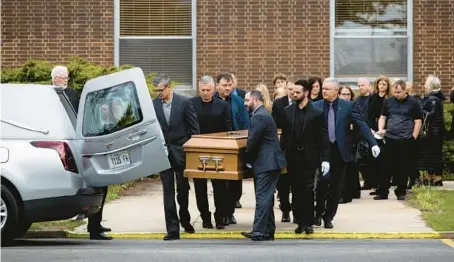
{"type": "Point", "coordinates": [136, 134]}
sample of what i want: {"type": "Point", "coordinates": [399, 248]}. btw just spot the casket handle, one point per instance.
{"type": "Point", "coordinates": [217, 163]}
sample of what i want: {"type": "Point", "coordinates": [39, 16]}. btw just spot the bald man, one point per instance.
{"type": "Point", "coordinates": [362, 102]}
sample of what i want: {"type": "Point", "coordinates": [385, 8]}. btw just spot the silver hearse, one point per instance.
{"type": "Point", "coordinates": [52, 159]}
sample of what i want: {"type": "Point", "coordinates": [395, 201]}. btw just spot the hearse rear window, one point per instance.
{"type": "Point", "coordinates": [110, 110]}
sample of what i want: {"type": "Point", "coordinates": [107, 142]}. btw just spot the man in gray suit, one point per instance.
{"type": "Point", "coordinates": [264, 156]}
{"type": "Point", "coordinates": [178, 121]}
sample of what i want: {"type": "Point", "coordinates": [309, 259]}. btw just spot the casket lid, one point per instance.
{"type": "Point", "coordinates": [222, 140]}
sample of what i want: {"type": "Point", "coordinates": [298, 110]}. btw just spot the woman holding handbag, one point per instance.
{"type": "Point", "coordinates": [432, 132]}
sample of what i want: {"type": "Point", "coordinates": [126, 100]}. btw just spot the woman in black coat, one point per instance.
{"type": "Point", "coordinates": [431, 144]}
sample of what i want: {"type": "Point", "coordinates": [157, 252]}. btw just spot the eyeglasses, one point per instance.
{"type": "Point", "coordinates": [63, 77]}
{"type": "Point", "coordinates": [160, 90]}
{"type": "Point", "coordinates": [346, 94]}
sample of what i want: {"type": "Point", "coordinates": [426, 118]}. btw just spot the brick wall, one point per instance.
{"type": "Point", "coordinates": [257, 39]}
{"type": "Point", "coordinates": [434, 41]}
{"type": "Point", "coordinates": [56, 29]}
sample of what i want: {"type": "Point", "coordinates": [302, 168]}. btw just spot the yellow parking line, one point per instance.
{"type": "Point", "coordinates": [448, 242]}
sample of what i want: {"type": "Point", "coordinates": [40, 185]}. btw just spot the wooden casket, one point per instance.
{"type": "Point", "coordinates": [218, 156]}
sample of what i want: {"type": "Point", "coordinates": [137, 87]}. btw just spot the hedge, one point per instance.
{"type": "Point", "coordinates": [448, 146]}
{"type": "Point", "coordinates": [80, 70]}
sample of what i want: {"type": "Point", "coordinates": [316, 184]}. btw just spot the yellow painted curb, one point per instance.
{"type": "Point", "coordinates": [278, 235]}
{"type": "Point", "coordinates": [448, 242]}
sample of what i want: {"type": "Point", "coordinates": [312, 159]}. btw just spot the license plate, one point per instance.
{"type": "Point", "coordinates": [119, 159]}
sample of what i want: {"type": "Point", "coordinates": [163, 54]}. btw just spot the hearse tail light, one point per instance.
{"type": "Point", "coordinates": [66, 156]}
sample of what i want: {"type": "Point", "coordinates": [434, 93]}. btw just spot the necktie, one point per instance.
{"type": "Point", "coordinates": [331, 124]}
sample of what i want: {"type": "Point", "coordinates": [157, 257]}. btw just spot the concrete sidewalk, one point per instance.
{"type": "Point", "coordinates": [141, 210]}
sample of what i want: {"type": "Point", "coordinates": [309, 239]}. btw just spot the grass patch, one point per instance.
{"type": "Point", "coordinates": [114, 192]}
{"type": "Point", "coordinates": [437, 207]}
{"type": "Point", "coordinates": [57, 225]}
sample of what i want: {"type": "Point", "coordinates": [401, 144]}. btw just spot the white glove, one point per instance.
{"type": "Point", "coordinates": [249, 165]}
{"type": "Point", "coordinates": [375, 151]}
{"type": "Point", "coordinates": [167, 151]}
{"type": "Point", "coordinates": [325, 168]}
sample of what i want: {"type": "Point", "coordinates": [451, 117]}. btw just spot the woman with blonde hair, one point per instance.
{"type": "Point", "coordinates": [382, 91]}
{"type": "Point", "coordinates": [432, 131]}
{"type": "Point", "coordinates": [266, 96]}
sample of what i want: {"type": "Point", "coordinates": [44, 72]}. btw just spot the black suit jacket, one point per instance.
{"type": "Point", "coordinates": [182, 125]}
{"type": "Point", "coordinates": [263, 149]}
{"type": "Point", "coordinates": [73, 97]}
{"type": "Point", "coordinates": [278, 111]}
{"type": "Point", "coordinates": [315, 135]}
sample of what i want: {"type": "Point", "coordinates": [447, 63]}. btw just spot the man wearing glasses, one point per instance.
{"type": "Point", "coordinates": [178, 120]}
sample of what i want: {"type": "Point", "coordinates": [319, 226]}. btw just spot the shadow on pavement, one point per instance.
{"type": "Point", "coordinates": [48, 242]}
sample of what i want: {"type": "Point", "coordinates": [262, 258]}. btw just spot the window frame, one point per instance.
{"type": "Point", "coordinates": [409, 36]}
{"type": "Point", "coordinates": [193, 36]}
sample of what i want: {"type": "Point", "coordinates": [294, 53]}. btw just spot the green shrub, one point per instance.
{"type": "Point", "coordinates": [448, 146]}
{"type": "Point", "coordinates": [80, 71]}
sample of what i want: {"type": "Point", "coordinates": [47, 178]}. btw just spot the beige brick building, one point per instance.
{"type": "Point", "coordinates": [254, 38]}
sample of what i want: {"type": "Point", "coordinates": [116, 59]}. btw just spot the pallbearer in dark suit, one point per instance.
{"type": "Point", "coordinates": [305, 143]}
{"type": "Point", "coordinates": [178, 121]}
{"type": "Point", "coordinates": [264, 156]}
{"type": "Point", "coordinates": [214, 116]}
{"type": "Point", "coordinates": [283, 185]}
{"type": "Point", "coordinates": [339, 114]}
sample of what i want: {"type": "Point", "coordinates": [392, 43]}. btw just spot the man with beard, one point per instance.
{"type": "Point", "coordinates": [265, 157]}
{"type": "Point", "coordinates": [305, 143]}
{"type": "Point", "coordinates": [283, 185]}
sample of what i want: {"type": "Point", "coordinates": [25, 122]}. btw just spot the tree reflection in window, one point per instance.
{"type": "Point", "coordinates": [381, 14]}
{"type": "Point", "coordinates": [112, 109]}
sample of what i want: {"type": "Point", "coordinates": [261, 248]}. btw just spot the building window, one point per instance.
{"type": "Point", "coordinates": [370, 38]}
{"type": "Point", "coordinates": [157, 36]}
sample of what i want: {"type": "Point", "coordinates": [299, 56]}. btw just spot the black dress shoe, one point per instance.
{"type": "Point", "coordinates": [299, 230]}
{"type": "Point", "coordinates": [232, 220]}
{"type": "Point", "coordinates": [309, 230]}
{"type": "Point", "coordinates": [285, 217]}
{"type": "Point", "coordinates": [400, 198]}
{"type": "Point", "coordinates": [225, 221]}
{"type": "Point", "coordinates": [259, 237]}
{"type": "Point", "coordinates": [246, 234]}
{"type": "Point", "coordinates": [318, 221]}
{"type": "Point", "coordinates": [99, 236]}
{"type": "Point", "coordinates": [269, 236]}
{"type": "Point", "coordinates": [379, 197]}
{"type": "Point", "coordinates": [238, 204]}
{"type": "Point", "coordinates": [220, 226]}
{"type": "Point", "coordinates": [189, 229]}
{"type": "Point", "coordinates": [373, 193]}
{"type": "Point", "coordinates": [357, 195]}
{"type": "Point", "coordinates": [172, 236]}
{"type": "Point", "coordinates": [328, 224]}
{"type": "Point", "coordinates": [105, 229]}
{"type": "Point", "coordinates": [207, 225]}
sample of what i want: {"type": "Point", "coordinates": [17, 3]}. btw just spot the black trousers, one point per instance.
{"type": "Point", "coordinates": [94, 221]}
{"type": "Point", "coordinates": [351, 187]}
{"type": "Point", "coordinates": [302, 184]}
{"type": "Point", "coordinates": [168, 178]}
{"type": "Point", "coordinates": [234, 192]}
{"type": "Point", "coordinates": [399, 163]}
{"type": "Point", "coordinates": [219, 194]}
{"type": "Point", "coordinates": [283, 191]}
{"type": "Point", "coordinates": [329, 187]}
